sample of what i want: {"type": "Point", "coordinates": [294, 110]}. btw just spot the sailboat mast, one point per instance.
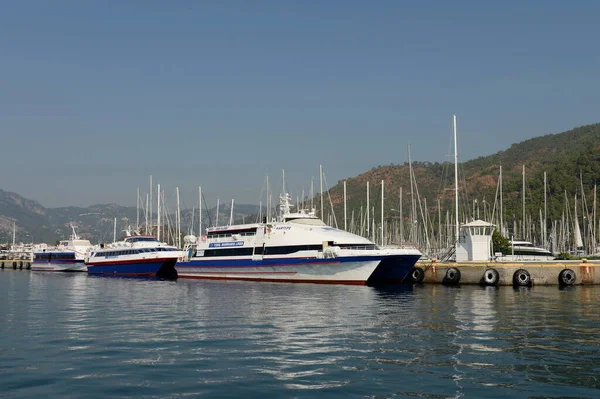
{"type": "Point", "coordinates": [345, 209]}
{"type": "Point", "coordinates": [456, 232]}
{"type": "Point", "coordinates": [501, 206]}
{"type": "Point", "coordinates": [373, 222]}
{"type": "Point", "coordinates": [137, 209]}
{"type": "Point", "coordinates": [200, 211]}
{"type": "Point", "coordinates": [401, 219]}
{"type": "Point", "coordinates": [150, 216]}
{"type": "Point", "coordinates": [178, 219]}
{"type": "Point", "coordinates": [158, 212]}
{"type": "Point", "coordinates": [523, 195]}
{"type": "Point", "coordinates": [268, 204]}
{"type": "Point", "coordinates": [413, 208]}
{"type": "Point", "coordinates": [545, 225]}
{"type": "Point", "coordinates": [368, 220]}
{"type": "Point", "coordinates": [439, 242]}
{"type": "Point", "coordinates": [382, 230]}
{"type": "Point", "coordinates": [594, 222]}
{"type": "Point", "coordinates": [321, 182]}
{"type": "Point", "coordinates": [146, 213]}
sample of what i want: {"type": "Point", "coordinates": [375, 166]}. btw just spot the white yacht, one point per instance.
{"type": "Point", "coordinates": [525, 250]}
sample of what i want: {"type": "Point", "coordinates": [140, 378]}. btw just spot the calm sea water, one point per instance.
{"type": "Point", "coordinates": [70, 335]}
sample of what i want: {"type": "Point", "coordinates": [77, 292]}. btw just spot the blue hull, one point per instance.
{"type": "Point", "coordinates": [393, 269]}
{"type": "Point", "coordinates": [163, 269]}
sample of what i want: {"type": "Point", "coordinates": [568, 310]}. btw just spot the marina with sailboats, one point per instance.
{"type": "Point", "coordinates": [336, 242]}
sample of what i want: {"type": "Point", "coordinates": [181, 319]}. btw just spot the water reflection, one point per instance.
{"type": "Point", "coordinates": [128, 337]}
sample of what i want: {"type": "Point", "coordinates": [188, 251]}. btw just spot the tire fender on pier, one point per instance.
{"type": "Point", "coordinates": [566, 277]}
{"type": "Point", "coordinates": [491, 277]}
{"type": "Point", "coordinates": [522, 278]}
{"type": "Point", "coordinates": [452, 276]}
{"type": "Point", "coordinates": [417, 275]}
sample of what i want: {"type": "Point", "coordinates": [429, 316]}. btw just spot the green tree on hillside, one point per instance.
{"type": "Point", "coordinates": [500, 243]}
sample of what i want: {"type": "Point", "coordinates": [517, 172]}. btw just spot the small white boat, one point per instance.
{"type": "Point", "coordinates": [526, 251]}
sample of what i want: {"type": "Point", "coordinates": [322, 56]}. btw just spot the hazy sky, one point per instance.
{"type": "Point", "coordinates": [96, 96]}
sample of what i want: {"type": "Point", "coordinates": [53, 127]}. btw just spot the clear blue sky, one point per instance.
{"type": "Point", "coordinates": [95, 96]}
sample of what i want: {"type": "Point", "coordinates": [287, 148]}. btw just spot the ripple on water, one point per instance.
{"type": "Point", "coordinates": [64, 335]}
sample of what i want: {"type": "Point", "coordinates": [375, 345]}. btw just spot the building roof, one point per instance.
{"type": "Point", "coordinates": [478, 223]}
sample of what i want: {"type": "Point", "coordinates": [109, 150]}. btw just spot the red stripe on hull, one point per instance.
{"type": "Point", "coordinates": [127, 274]}
{"type": "Point", "coordinates": [276, 280]}
{"type": "Point", "coordinates": [248, 272]}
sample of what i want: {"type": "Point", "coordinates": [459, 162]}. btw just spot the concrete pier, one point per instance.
{"type": "Point", "coordinates": [524, 273]}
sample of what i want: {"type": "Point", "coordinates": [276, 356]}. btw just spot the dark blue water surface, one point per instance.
{"type": "Point", "coordinates": [70, 335]}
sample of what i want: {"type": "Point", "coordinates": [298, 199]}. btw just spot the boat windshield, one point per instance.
{"type": "Point", "coordinates": [307, 221]}
{"type": "Point", "coordinates": [140, 239]}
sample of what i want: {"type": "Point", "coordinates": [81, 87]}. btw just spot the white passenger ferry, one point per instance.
{"type": "Point", "coordinates": [135, 256]}
{"type": "Point", "coordinates": [68, 256]}
{"type": "Point", "coordinates": [297, 247]}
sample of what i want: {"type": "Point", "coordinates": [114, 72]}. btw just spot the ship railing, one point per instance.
{"type": "Point", "coordinates": [328, 253]}
{"type": "Point", "coordinates": [360, 248]}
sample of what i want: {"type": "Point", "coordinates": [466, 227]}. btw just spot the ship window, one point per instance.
{"type": "Point", "coordinates": [228, 252]}
{"type": "Point", "coordinates": [227, 233]}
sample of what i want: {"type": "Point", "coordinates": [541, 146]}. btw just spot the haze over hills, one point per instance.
{"type": "Point", "coordinates": [564, 157]}
{"type": "Point", "coordinates": [35, 223]}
